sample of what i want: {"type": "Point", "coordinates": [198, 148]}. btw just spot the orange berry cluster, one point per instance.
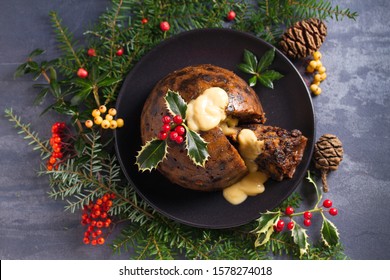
{"type": "Point", "coordinates": [108, 121]}
{"type": "Point", "coordinates": [316, 68]}
{"type": "Point", "coordinates": [56, 142]}
{"type": "Point", "coordinates": [96, 218]}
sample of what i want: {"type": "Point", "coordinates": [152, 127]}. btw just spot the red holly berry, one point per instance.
{"type": "Point", "coordinates": [307, 215]}
{"type": "Point", "coordinates": [327, 203]}
{"type": "Point", "coordinates": [231, 16]}
{"type": "Point", "coordinates": [179, 139]}
{"type": "Point", "coordinates": [290, 225]}
{"type": "Point", "coordinates": [289, 210]}
{"type": "Point", "coordinates": [307, 222]}
{"type": "Point", "coordinates": [173, 135]}
{"type": "Point", "coordinates": [333, 211]}
{"type": "Point", "coordinates": [180, 130]}
{"type": "Point", "coordinates": [162, 135]}
{"type": "Point", "coordinates": [91, 52]}
{"type": "Point", "coordinates": [280, 225]}
{"type": "Point", "coordinates": [177, 119]}
{"type": "Point", "coordinates": [144, 21]}
{"type": "Point", "coordinates": [166, 119]}
{"type": "Point", "coordinates": [166, 127]}
{"type": "Point", "coordinates": [164, 26]}
{"type": "Point", "coordinates": [82, 73]}
{"type": "Point", "coordinates": [120, 52]}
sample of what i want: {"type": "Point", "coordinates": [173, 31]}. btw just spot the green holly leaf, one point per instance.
{"type": "Point", "coordinates": [300, 238]}
{"type": "Point", "coordinates": [251, 60]}
{"type": "Point", "coordinates": [253, 81]}
{"type": "Point", "coordinates": [266, 60]}
{"type": "Point", "coordinates": [196, 147]}
{"type": "Point", "coordinates": [266, 227]}
{"type": "Point", "coordinates": [175, 103]}
{"type": "Point", "coordinates": [329, 233]}
{"type": "Point", "coordinates": [266, 82]}
{"type": "Point", "coordinates": [151, 154]}
{"type": "Point", "coordinates": [272, 75]}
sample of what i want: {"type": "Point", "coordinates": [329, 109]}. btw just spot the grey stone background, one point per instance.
{"type": "Point", "coordinates": [354, 106]}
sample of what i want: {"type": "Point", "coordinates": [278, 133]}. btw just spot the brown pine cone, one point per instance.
{"type": "Point", "coordinates": [328, 153]}
{"type": "Point", "coordinates": [303, 38]}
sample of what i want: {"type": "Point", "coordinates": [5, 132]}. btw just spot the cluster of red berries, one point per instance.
{"type": "Point", "coordinates": [307, 215]}
{"type": "Point", "coordinates": [172, 128]}
{"type": "Point", "coordinates": [56, 142]}
{"type": "Point", "coordinates": [96, 218]}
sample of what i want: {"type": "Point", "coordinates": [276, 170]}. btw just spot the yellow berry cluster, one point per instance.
{"type": "Point", "coordinates": [108, 121]}
{"type": "Point", "coordinates": [318, 70]}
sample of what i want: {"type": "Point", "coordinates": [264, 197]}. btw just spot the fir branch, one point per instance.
{"type": "Point", "coordinates": [29, 135]}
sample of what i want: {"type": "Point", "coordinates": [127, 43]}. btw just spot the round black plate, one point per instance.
{"type": "Point", "coordinates": [288, 106]}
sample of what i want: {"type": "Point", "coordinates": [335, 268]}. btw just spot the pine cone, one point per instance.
{"type": "Point", "coordinates": [328, 153]}
{"type": "Point", "coordinates": [303, 38]}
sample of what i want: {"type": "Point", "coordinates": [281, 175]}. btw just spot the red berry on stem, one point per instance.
{"type": "Point", "coordinates": [180, 130]}
{"type": "Point", "coordinates": [280, 225]}
{"type": "Point", "coordinates": [327, 203]}
{"type": "Point", "coordinates": [164, 26]}
{"type": "Point", "coordinates": [231, 16]}
{"type": "Point", "coordinates": [166, 119]}
{"type": "Point", "coordinates": [173, 135]}
{"type": "Point", "coordinates": [333, 211]}
{"type": "Point", "coordinates": [290, 225]}
{"type": "Point", "coordinates": [179, 139]}
{"type": "Point", "coordinates": [177, 119]}
{"type": "Point", "coordinates": [144, 21]}
{"type": "Point", "coordinates": [307, 222]}
{"type": "Point", "coordinates": [82, 73]}
{"type": "Point", "coordinates": [307, 215]}
{"type": "Point", "coordinates": [120, 52]}
{"type": "Point", "coordinates": [162, 135]}
{"type": "Point", "coordinates": [166, 127]}
{"type": "Point", "coordinates": [91, 52]}
{"type": "Point", "coordinates": [289, 210]}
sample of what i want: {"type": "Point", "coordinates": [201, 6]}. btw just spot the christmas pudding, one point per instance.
{"type": "Point", "coordinates": [228, 116]}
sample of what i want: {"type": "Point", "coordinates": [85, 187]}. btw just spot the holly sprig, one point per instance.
{"type": "Point", "coordinates": [272, 222]}
{"type": "Point", "coordinates": [154, 151]}
{"type": "Point", "coordinates": [259, 68]}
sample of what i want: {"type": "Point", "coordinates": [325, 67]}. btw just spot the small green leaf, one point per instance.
{"type": "Point", "coordinates": [108, 82]}
{"type": "Point", "coordinates": [272, 75]}
{"type": "Point", "coordinates": [265, 81]}
{"type": "Point", "coordinates": [246, 68]}
{"type": "Point", "coordinates": [266, 227]}
{"type": "Point", "coordinates": [329, 233]}
{"type": "Point", "coordinates": [36, 52]}
{"type": "Point", "coordinates": [253, 81]}
{"type": "Point", "coordinates": [175, 103]}
{"type": "Point", "coordinates": [151, 154]}
{"type": "Point", "coordinates": [196, 147]}
{"type": "Point", "coordinates": [55, 88]}
{"type": "Point", "coordinates": [80, 96]}
{"type": "Point", "coordinates": [41, 96]}
{"type": "Point", "coordinates": [300, 238]}
{"type": "Point", "coordinates": [52, 73]}
{"type": "Point", "coordinates": [266, 60]}
{"type": "Point", "coordinates": [21, 70]}
{"type": "Point", "coordinates": [250, 59]}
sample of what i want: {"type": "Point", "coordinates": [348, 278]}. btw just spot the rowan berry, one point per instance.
{"type": "Point", "coordinates": [103, 215]}
{"type": "Point", "coordinates": [112, 111]}
{"type": "Point", "coordinates": [109, 203]}
{"type": "Point", "coordinates": [309, 69]}
{"type": "Point", "coordinates": [164, 26]}
{"type": "Point", "coordinates": [231, 16]}
{"type": "Point", "coordinates": [307, 222]}
{"type": "Point", "coordinates": [323, 76]}
{"type": "Point", "coordinates": [313, 64]}
{"type": "Point", "coordinates": [333, 211]}
{"type": "Point", "coordinates": [119, 122]}
{"type": "Point", "coordinates": [90, 228]}
{"type": "Point", "coordinates": [49, 167]}
{"type": "Point", "coordinates": [105, 124]}
{"type": "Point", "coordinates": [88, 123]}
{"type": "Point", "coordinates": [94, 242]}
{"type": "Point", "coordinates": [109, 117]}
{"type": "Point", "coordinates": [98, 120]}
{"type": "Point", "coordinates": [112, 195]}
{"type": "Point", "coordinates": [317, 55]}
{"type": "Point", "coordinates": [317, 78]}
{"type": "Point", "coordinates": [95, 113]}
{"type": "Point", "coordinates": [177, 119]}
{"type": "Point", "coordinates": [102, 109]}
{"type": "Point", "coordinates": [113, 124]}
{"type": "Point", "coordinates": [82, 73]}
{"type": "Point", "coordinates": [327, 203]}
{"type": "Point", "coordinates": [289, 210]}
{"type": "Point", "coordinates": [307, 215]}
{"type": "Point", "coordinates": [86, 240]}
{"type": "Point", "coordinates": [99, 224]}
{"type": "Point", "coordinates": [290, 225]}
{"type": "Point", "coordinates": [101, 240]}
{"type": "Point", "coordinates": [98, 232]}
{"type": "Point", "coordinates": [166, 119]}
{"type": "Point", "coordinates": [321, 70]}
{"type": "Point", "coordinates": [52, 160]}
{"type": "Point", "coordinates": [319, 64]}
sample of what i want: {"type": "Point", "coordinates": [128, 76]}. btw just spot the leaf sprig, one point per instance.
{"type": "Point", "coordinates": [259, 68]}
{"type": "Point", "coordinates": [154, 151]}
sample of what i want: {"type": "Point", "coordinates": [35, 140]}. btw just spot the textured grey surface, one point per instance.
{"type": "Point", "coordinates": [354, 106]}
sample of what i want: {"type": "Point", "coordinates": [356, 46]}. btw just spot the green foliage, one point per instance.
{"type": "Point", "coordinates": [92, 170]}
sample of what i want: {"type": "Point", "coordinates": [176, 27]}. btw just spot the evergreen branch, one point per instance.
{"type": "Point", "coordinates": [25, 129]}
{"type": "Point", "coordinates": [64, 37]}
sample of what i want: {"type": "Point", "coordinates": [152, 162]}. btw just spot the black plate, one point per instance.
{"type": "Point", "coordinates": [288, 106]}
